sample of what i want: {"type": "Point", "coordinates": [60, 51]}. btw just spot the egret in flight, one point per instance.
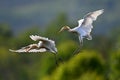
{"type": "Point", "coordinates": [85, 26]}
{"type": "Point", "coordinates": [43, 45]}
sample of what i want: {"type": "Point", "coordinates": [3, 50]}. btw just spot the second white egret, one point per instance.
{"type": "Point", "coordinates": [85, 26]}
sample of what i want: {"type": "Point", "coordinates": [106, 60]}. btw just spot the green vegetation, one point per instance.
{"type": "Point", "coordinates": [80, 66]}
{"type": "Point", "coordinates": [99, 59]}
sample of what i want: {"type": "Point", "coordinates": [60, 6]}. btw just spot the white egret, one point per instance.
{"type": "Point", "coordinates": [84, 27]}
{"type": "Point", "coordinates": [43, 45]}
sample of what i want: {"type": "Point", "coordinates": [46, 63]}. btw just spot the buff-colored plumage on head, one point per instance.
{"type": "Point", "coordinates": [64, 28]}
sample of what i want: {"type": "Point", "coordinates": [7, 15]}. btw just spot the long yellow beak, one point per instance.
{"type": "Point", "coordinates": [60, 30]}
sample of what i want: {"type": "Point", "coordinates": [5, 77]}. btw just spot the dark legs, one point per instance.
{"type": "Point", "coordinates": [79, 48]}
{"type": "Point", "coordinates": [77, 51]}
{"type": "Point", "coordinates": [59, 59]}
{"type": "Point", "coordinates": [56, 62]}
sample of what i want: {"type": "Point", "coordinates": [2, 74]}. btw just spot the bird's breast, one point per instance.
{"type": "Point", "coordinates": [82, 32]}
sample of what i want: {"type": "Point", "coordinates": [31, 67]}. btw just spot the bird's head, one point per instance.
{"type": "Point", "coordinates": [64, 28]}
{"type": "Point", "coordinates": [55, 50]}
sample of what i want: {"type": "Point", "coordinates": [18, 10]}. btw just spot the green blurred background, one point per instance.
{"type": "Point", "coordinates": [99, 58]}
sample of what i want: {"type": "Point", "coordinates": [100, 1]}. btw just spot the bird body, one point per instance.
{"type": "Point", "coordinates": [43, 45]}
{"type": "Point", "coordinates": [84, 27]}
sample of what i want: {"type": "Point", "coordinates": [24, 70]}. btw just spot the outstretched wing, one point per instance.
{"type": "Point", "coordinates": [45, 41]}
{"type": "Point", "coordinates": [94, 15]}
{"type": "Point", "coordinates": [39, 38]}
{"type": "Point", "coordinates": [36, 38]}
{"type": "Point", "coordinates": [32, 50]}
{"type": "Point", "coordinates": [88, 20]}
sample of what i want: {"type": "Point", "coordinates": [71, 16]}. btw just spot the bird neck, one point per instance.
{"type": "Point", "coordinates": [71, 30]}
{"type": "Point", "coordinates": [39, 44]}
{"type": "Point", "coordinates": [68, 29]}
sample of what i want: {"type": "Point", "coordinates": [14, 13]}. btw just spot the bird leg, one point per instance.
{"type": "Point", "coordinates": [81, 43]}
{"type": "Point", "coordinates": [56, 59]}
{"type": "Point", "coordinates": [81, 40]}
{"type": "Point", "coordinates": [77, 51]}
{"type": "Point", "coordinates": [80, 46]}
{"type": "Point", "coordinates": [60, 59]}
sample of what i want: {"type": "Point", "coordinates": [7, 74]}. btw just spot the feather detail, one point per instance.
{"type": "Point", "coordinates": [32, 50]}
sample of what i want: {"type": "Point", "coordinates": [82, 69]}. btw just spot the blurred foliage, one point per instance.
{"type": "Point", "coordinates": [79, 65]}
{"type": "Point", "coordinates": [99, 58]}
{"type": "Point", "coordinates": [114, 71]}
{"type": "Point", "coordinates": [115, 66]}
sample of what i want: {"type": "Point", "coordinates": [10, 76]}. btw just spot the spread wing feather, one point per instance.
{"type": "Point", "coordinates": [39, 38]}
{"type": "Point", "coordinates": [86, 23]}
{"type": "Point", "coordinates": [94, 15]}
{"type": "Point", "coordinates": [32, 50]}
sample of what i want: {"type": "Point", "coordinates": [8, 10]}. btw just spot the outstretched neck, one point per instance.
{"type": "Point", "coordinates": [65, 28]}
{"type": "Point", "coordinates": [68, 29]}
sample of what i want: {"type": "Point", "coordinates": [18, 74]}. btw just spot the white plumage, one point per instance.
{"type": "Point", "coordinates": [43, 45]}
{"type": "Point", "coordinates": [84, 27]}
{"type": "Point", "coordinates": [32, 50]}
